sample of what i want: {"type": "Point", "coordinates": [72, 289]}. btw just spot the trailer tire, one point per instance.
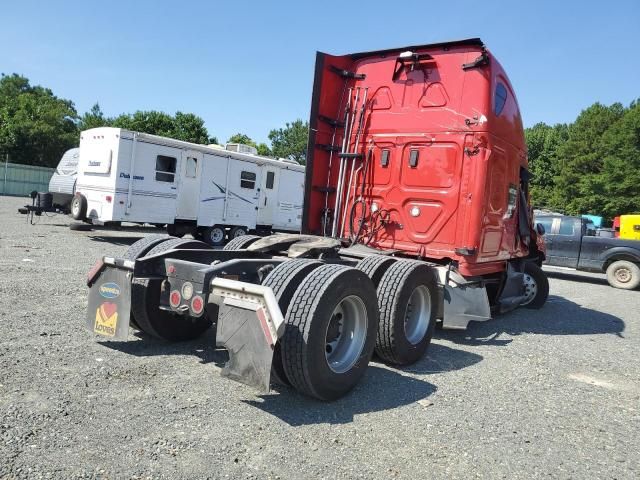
{"type": "Point", "coordinates": [236, 232]}
{"type": "Point", "coordinates": [214, 236]}
{"type": "Point", "coordinates": [623, 274]}
{"type": "Point", "coordinates": [79, 207]}
{"type": "Point", "coordinates": [407, 297]}
{"type": "Point", "coordinates": [318, 359]}
{"type": "Point", "coordinates": [145, 301]}
{"type": "Point", "coordinates": [375, 266]}
{"type": "Point", "coordinates": [536, 286]}
{"type": "Point", "coordinates": [284, 280]}
{"type": "Point", "coordinates": [240, 243]}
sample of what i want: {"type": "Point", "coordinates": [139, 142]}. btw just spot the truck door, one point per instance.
{"type": "Point", "coordinates": [268, 196]}
{"type": "Point", "coordinates": [189, 185]}
{"type": "Point", "coordinates": [566, 242]}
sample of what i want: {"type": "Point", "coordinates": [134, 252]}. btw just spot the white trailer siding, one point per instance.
{"type": "Point", "coordinates": [132, 177]}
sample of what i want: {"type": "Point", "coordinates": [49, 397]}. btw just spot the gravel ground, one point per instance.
{"type": "Point", "coordinates": [531, 394]}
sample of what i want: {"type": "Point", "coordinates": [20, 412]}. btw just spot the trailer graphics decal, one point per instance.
{"type": "Point", "coordinates": [109, 290]}
{"type": "Point", "coordinates": [106, 319]}
{"type": "Point", "coordinates": [220, 197]}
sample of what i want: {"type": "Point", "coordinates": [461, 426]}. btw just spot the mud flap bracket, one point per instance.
{"type": "Point", "coordinates": [249, 325]}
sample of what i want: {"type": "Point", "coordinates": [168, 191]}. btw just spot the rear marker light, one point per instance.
{"type": "Point", "coordinates": [175, 298]}
{"type": "Point", "coordinates": [108, 198]}
{"type": "Point", "coordinates": [197, 304]}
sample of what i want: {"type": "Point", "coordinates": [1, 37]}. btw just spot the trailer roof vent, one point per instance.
{"type": "Point", "coordinates": [216, 146]}
{"type": "Point", "coordinates": [241, 148]}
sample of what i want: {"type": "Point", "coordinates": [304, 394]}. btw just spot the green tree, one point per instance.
{"type": "Point", "coordinates": [542, 144]}
{"type": "Point", "coordinates": [291, 142]}
{"type": "Point", "coordinates": [190, 128]}
{"type": "Point", "coordinates": [36, 127]}
{"type": "Point", "coordinates": [242, 138]}
{"type": "Point", "coordinates": [620, 175]}
{"type": "Point", "coordinates": [94, 118]}
{"type": "Point", "coordinates": [182, 126]}
{"type": "Point", "coordinates": [578, 189]}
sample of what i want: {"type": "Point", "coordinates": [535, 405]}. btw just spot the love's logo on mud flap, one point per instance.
{"type": "Point", "coordinates": [110, 290]}
{"type": "Point", "coordinates": [106, 319]}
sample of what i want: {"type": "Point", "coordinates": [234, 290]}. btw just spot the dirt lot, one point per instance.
{"type": "Point", "coordinates": [549, 393]}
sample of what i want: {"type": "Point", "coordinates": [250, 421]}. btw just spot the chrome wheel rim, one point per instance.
{"type": "Point", "coordinates": [217, 235]}
{"type": "Point", "coordinates": [418, 316]}
{"type": "Point", "coordinates": [530, 289]}
{"type": "Point", "coordinates": [346, 334]}
{"type": "Point", "coordinates": [75, 207]}
{"type": "Point", "coordinates": [623, 274]}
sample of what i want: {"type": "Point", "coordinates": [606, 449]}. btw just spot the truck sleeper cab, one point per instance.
{"type": "Point", "coordinates": [416, 211]}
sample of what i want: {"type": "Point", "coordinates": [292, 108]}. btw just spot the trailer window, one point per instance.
{"type": "Point", "coordinates": [191, 167]}
{"type": "Point", "coordinates": [270, 179]}
{"type": "Point", "coordinates": [165, 168]}
{"type": "Point", "coordinates": [247, 180]}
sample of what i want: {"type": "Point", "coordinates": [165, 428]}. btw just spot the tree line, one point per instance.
{"type": "Point", "coordinates": [590, 166]}
{"type": "Point", "coordinates": [37, 127]}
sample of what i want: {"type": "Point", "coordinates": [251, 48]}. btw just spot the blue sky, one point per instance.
{"type": "Point", "coordinates": [248, 66]}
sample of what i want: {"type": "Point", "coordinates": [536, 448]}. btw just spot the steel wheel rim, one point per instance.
{"type": "Point", "coordinates": [239, 233]}
{"type": "Point", "coordinates": [530, 289]}
{"type": "Point", "coordinates": [75, 207]}
{"type": "Point", "coordinates": [346, 334]}
{"type": "Point", "coordinates": [622, 274]}
{"type": "Point", "coordinates": [217, 234]}
{"type": "Point", "coordinates": [418, 315]}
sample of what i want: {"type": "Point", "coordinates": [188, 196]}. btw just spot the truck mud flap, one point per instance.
{"type": "Point", "coordinates": [110, 304]}
{"type": "Point", "coordinates": [463, 301]}
{"type": "Point", "coordinates": [249, 325]}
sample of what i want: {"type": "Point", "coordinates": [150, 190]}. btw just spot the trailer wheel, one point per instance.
{"type": "Point", "coordinates": [375, 266]}
{"type": "Point", "coordinates": [214, 236]}
{"type": "Point", "coordinates": [330, 331]}
{"type": "Point", "coordinates": [237, 232]}
{"type": "Point", "coordinates": [407, 296]}
{"type": "Point", "coordinates": [284, 280]}
{"type": "Point", "coordinates": [145, 303]}
{"type": "Point", "coordinates": [536, 286]}
{"type": "Point", "coordinates": [79, 207]}
{"type": "Point", "coordinates": [138, 250]}
{"type": "Point", "coordinates": [240, 243]}
{"type": "Point", "coordinates": [623, 274]}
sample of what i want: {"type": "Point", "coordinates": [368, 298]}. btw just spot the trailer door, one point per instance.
{"type": "Point", "coordinates": [268, 196]}
{"type": "Point", "coordinates": [189, 185]}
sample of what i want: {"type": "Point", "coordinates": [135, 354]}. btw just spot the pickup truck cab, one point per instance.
{"type": "Point", "coordinates": [571, 242]}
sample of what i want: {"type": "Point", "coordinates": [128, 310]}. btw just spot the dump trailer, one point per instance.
{"type": "Point", "coordinates": [416, 214]}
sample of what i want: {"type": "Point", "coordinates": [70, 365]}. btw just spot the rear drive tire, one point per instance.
{"type": "Point", "coordinates": [214, 236]}
{"type": "Point", "coordinates": [79, 207]}
{"type": "Point", "coordinates": [330, 331]}
{"type": "Point", "coordinates": [375, 266]}
{"type": "Point", "coordinates": [407, 296]}
{"type": "Point", "coordinates": [623, 274]}
{"type": "Point", "coordinates": [240, 243]}
{"type": "Point", "coordinates": [536, 286]}
{"type": "Point", "coordinates": [284, 280]}
{"type": "Point", "coordinates": [145, 302]}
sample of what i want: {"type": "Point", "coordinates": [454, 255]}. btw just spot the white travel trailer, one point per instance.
{"type": "Point", "coordinates": [63, 182]}
{"type": "Point", "coordinates": [207, 191]}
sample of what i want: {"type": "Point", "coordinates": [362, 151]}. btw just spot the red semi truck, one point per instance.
{"type": "Point", "coordinates": [416, 213]}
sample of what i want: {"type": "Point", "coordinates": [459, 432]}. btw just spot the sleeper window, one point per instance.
{"type": "Point", "coordinates": [500, 98]}
{"type": "Point", "coordinates": [270, 178]}
{"type": "Point", "coordinates": [247, 180]}
{"type": "Point", "coordinates": [165, 168]}
{"type": "Point", "coordinates": [191, 167]}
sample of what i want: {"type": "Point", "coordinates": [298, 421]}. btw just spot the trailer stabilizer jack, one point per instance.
{"type": "Point", "coordinates": [249, 325]}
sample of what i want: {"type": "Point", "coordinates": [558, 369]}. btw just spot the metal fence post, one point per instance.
{"type": "Point", "coordinates": [6, 167]}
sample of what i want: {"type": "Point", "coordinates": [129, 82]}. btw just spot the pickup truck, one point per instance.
{"type": "Point", "coordinates": [571, 242]}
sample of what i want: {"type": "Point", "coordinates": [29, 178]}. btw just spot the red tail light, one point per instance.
{"type": "Point", "coordinates": [175, 298]}
{"type": "Point", "coordinates": [197, 304]}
